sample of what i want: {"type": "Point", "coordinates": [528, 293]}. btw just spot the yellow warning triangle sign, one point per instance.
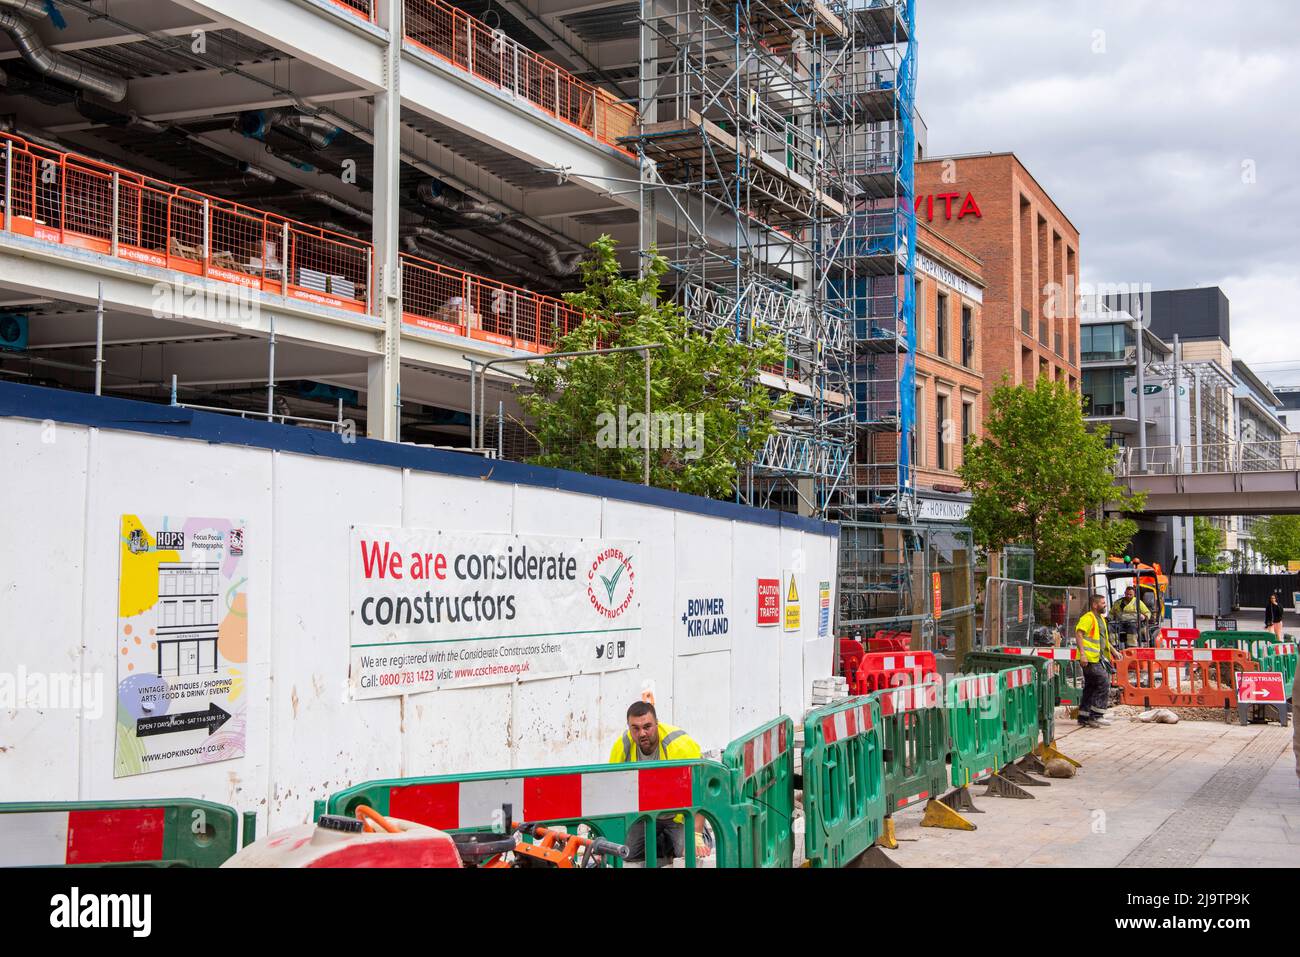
{"type": "Point", "coordinates": [794, 593]}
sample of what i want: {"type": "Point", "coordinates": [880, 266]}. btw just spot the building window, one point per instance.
{"type": "Point", "coordinates": [940, 430]}
{"type": "Point", "coordinates": [967, 337]}
{"type": "Point", "coordinates": [1103, 391]}
{"type": "Point", "coordinates": [918, 448]}
{"type": "Point", "coordinates": [967, 423]}
{"type": "Point", "coordinates": [941, 325]}
{"type": "Point", "coordinates": [1105, 342]}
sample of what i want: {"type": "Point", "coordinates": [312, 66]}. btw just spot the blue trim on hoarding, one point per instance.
{"type": "Point", "coordinates": [59, 405]}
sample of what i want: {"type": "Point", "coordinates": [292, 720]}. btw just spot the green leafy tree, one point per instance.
{"type": "Point", "coordinates": [1277, 538]}
{"type": "Point", "coordinates": [1038, 476]}
{"type": "Point", "coordinates": [703, 384]}
{"type": "Point", "coordinates": [1209, 542]}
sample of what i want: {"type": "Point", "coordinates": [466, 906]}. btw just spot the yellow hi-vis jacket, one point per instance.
{"type": "Point", "coordinates": [1096, 637]}
{"type": "Point", "coordinates": [674, 745]}
{"type": "Point", "coordinates": [1126, 606]}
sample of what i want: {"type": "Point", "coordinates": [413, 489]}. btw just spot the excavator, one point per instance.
{"type": "Point", "coordinates": [1131, 628]}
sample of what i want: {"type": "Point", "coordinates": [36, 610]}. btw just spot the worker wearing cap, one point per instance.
{"type": "Point", "coordinates": [1130, 603]}
{"type": "Point", "coordinates": [647, 740]}
{"type": "Point", "coordinates": [1092, 638]}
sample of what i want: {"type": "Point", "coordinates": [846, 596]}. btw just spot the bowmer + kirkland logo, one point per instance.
{"type": "Point", "coordinates": [610, 583]}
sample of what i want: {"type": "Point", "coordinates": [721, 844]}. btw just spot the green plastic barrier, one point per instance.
{"type": "Point", "coordinates": [608, 798]}
{"type": "Point", "coordinates": [1277, 656]}
{"type": "Point", "coordinates": [974, 727]}
{"type": "Point", "coordinates": [1045, 675]}
{"type": "Point", "coordinates": [1018, 690]}
{"type": "Point", "coordinates": [1069, 677]}
{"type": "Point", "coordinates": [916, 744]}
{"type": "Point", "coordinates": [170, 832]}
{"type": "Point", "coordinates": [843, 781]}
{"type": "Point", "coordinates": [762, 785]}
{"type": "Point", "coordinates": [1241, 640]}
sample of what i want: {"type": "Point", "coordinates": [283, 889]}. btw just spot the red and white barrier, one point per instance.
{"type": "Point", "coordinates": [1020, 677]}
{"type": "Point", "coordinates": [475, 803]}
{"type": "Point", "coordinates": [55, 838]}
{"type": "Point", "coordinates": [846, 723]}
{"type": "Point", "coordinates": [764, 749]}
{"type": "Point", "coordinates": [909, 698]}
{"type": "Point", "coordinates": [975, 687]}
{"type": "Point", "coordinates": [1185, 654]}
{"type": "Point", "coordinates": [1054, 654]}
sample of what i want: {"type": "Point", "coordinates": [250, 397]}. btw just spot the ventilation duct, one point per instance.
{"type": "Point", "coordinates": [255, 124]}
{"type": "Point", "coordinates": [416, 248]}
{"type": "Point", "coordinates": [333, 202]}
{"type": "Point", "coordinates": [55, 65]}
{"type": "Point", "coordinates": [435, 194]}
{"type": "Point", "coordinates": [474, 254]}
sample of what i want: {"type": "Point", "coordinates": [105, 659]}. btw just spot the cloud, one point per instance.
{"type": "Point", "coordinates": [1166, 132]}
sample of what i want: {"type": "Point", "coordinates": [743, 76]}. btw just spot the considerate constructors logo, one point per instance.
{"type": "Point", "coordinates": [610, 583]}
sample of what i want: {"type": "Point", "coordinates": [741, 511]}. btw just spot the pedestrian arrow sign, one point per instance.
{"type": "Point", "coordinates": [211, 719]}
{"type": "Point", "coordinates": [1260, 687]}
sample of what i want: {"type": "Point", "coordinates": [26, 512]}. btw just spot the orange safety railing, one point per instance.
{"type": "Point", "coordinates": [362, 8]}
{"type": "Point", "coordinates": [448, 300]}
{"type": "Point", "coordinates": [68, 199]}
{"type": "Point", "coordinates": [490, 55]}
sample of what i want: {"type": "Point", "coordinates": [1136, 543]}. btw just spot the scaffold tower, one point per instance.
{"type": "Point", "coordinates": [746, 190]}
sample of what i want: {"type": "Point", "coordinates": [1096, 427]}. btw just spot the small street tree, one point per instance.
{"type": "Point", "coordinates": [709, 416]}
{"type": "Point", "coordinates": [1277, 538]}
{"type": "Point", "coordinates": [1209, 542]}
{"type": "Point", "coordinates": [1038, 476]}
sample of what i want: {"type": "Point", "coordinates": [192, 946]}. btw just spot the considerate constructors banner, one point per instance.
{"type": "Point", "coordinates": [432, 609]}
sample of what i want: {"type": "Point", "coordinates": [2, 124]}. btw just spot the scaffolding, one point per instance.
{"type": "Point", "coordinates": [746, 190]}
{"type": "Point", "coordinates": [874, 261]}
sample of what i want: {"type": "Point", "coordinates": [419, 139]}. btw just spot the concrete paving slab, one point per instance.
{"type": "Point", "coordinates": [1185, 794]}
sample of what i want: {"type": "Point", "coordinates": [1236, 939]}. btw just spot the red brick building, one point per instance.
{"type": "Point", "coordinates": [991, 206]}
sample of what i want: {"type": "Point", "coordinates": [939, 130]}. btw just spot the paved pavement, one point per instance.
{"type": "Point", "coordinates": [1192, 794]}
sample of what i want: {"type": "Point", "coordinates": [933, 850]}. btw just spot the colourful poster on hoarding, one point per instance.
{"type": "Point", "coordinates": [181, 642]}
{"type": "Point", "coordinates": [823, 609]}
{"type": "Point", "coordinates": [433, 609]}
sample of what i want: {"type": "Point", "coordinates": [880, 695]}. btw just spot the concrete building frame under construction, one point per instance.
{"type": "Point", "coordinates": [337, 211]}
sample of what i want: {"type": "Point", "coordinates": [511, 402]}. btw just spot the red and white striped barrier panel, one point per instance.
{"type": "Point", "coordinates": [881, 670]}
{"type": "Point", "coordinates": [973, 687]}
{"type": "Point", "coordinates": [1019, 677]}
{"type": "Point", "coordinates": [1054, 654]}
{"type": "Point", "coordinates": [448, 805]}
{"type": "Point", "coordinates": [846, 723]}
{"type": "Point", "coordinates": [909, 698]}
{"type": "Point", "coordinates": [106, 836]}
{"type": "Point", "coordinates": [911, 799]}
{"type": "Point", "coordinates": [763, 749]}
{"type": "Point", "coordinates": [1185, 654]}
{"type": "Point", "coordinates": [1178, 637]}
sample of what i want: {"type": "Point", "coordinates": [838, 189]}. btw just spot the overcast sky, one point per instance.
{"type": "Point", "coordinates": [1144, 120]}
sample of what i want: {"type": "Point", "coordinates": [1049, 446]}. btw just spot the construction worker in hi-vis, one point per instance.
{"type": "Point", "coordinates": [1092, 637]}
{"type": "Point", "coordinates": [647, 740]}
